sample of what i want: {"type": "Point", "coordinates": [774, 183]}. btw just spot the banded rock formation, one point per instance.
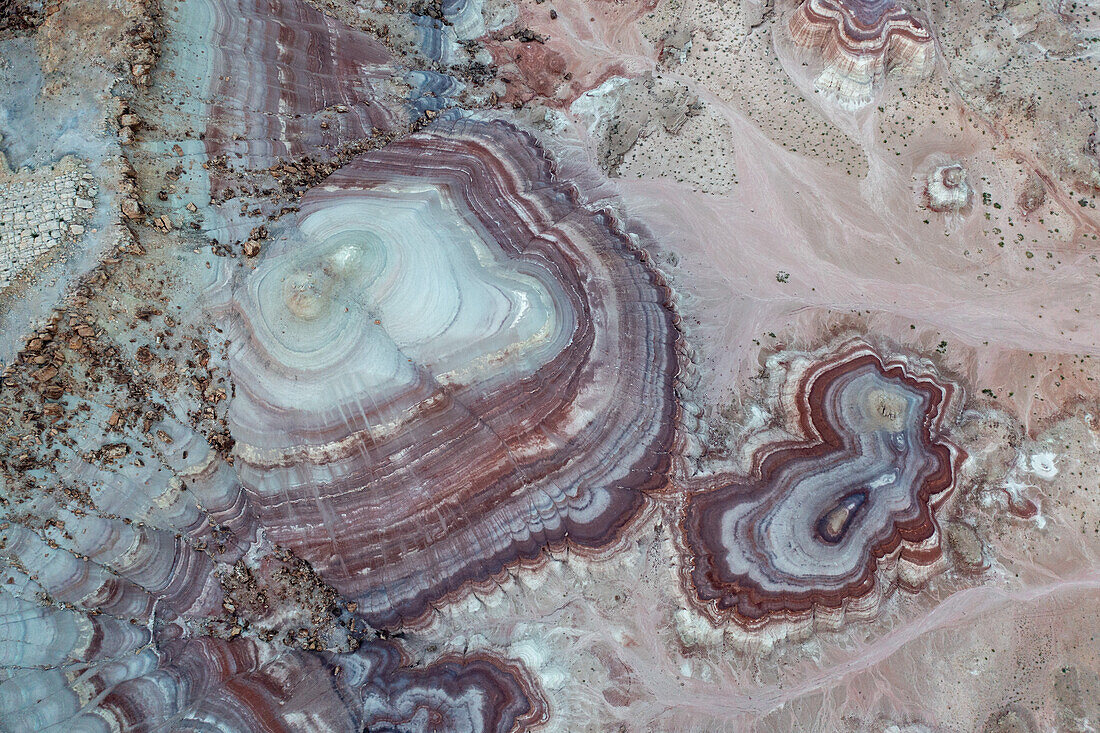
{"type": "Point", "coordinates": [805, 535]}
{"type": "Point", "coordinates": [442, 365]}
{"type": "Point", "coordinates": [99, 674]}
{"type": "Point", "coordinates": [120, 556]}
{"type": "Point", "coordinates": [445, 367]}
{"type": "Point", "coordinates": [860, 42]}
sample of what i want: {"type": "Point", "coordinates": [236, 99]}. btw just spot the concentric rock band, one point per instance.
{"type": "Point", "coordinates": [806, 532]}
{"type": "Point", "coordinates": [447, 366]}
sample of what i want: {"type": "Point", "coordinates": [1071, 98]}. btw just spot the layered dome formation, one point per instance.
{"type": "Point", "coordinates": [808, 532]}
{"type": "Point", "coordinates": [860, 42]}
{"type": "Point", "coordinates": [446, 366]}
{"type": "Point", "coordinates": [947, 190]}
